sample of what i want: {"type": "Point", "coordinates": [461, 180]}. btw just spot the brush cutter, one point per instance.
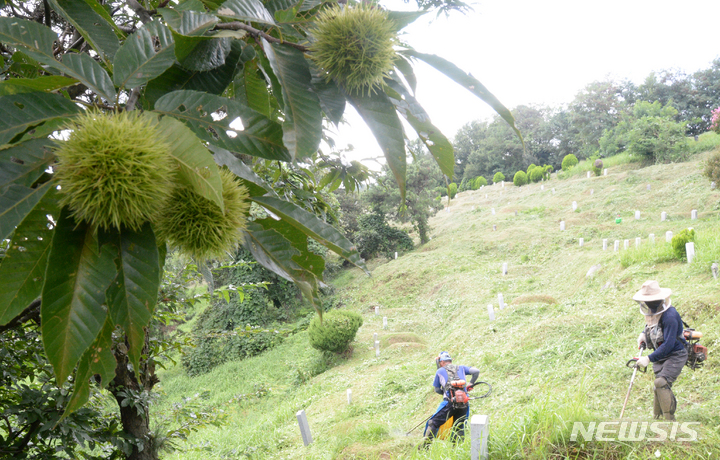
{"type": "Point", "coordinates": [474, 397]}
{"type": "Point", "coordinates": [632, 363]}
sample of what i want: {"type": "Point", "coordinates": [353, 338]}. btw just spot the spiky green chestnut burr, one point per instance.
{"type": "Point", "coordinates": [198, 226]}
{"type": "Point", "coordinates": [113, 170]}
{"type": "Point", "coordinates": [354, 46]}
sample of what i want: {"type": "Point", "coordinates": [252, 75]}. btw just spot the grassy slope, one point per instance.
{"type": "Point", "coordinates": [556, 354]}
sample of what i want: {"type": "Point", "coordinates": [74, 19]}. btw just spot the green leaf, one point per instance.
{"type": "Point", "coordinates": [439, 145]}
{"type": "Point", "coordinates": [85, 68]}
{"type": "Point", "coordinates": [93, 27]}
{"type": "Point", "coordinates": [332, 100]}
{"type": "Point", "coordinates": [468, 82]}
{"type": "Point", "coordinates": [31, 85]}
{"type": "Point", "coordinates": [188, 22]}
{"type": "Point", "coordinates": [22, 270]}
{"type": "Point", "coordinates": [245, 10]}
{"type": "Point", "coordinates": [145, 55]}
{"type": "Point", "coordinates": [97, 360]}
{"type": "Point", "coordinates": [313, 227]}
{"type": "Point", "coordinates": [256, 90]}
{"type": "Point", "coordinates": [22, 111]}
{"type": "Point", "coordinates": [213, 82]}
{"type": "Point", "coordinates": [101, 11]}
{"type": "Point", "coordinates": [252, 181]}
{"type": "Point", "coordinates": [73, 296]}
{"type": "Point", "coordinates": [24, 163]}
{"type": "Point", "coordinates": [403, 19]}
{"type": "Point", "coordinates": [29, 34]}
{"type": "Point", "coordinates": [16, 202]}
{"type": "Point", "coordinates": [203, 53]}
{"type": "Point", "coordinates": [302, 128]}
{"type": "Point", "coordinates": [308, 260]}
{"type": "Point", "coordinates": [380, 116]}
{"type": "Point", "coordinates": [196, 165]}
{"type": "Point", "coordinates": [260, 137]}
{"type": "Point", "coordinates": [404, 66]}
{"type": "Point", "coordinates": [133, 294]}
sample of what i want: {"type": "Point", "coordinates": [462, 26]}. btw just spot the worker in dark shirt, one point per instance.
{"type": "Point", "coordinates": [663, 333]}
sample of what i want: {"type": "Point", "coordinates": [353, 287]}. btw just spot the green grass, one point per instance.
{"type": "Point", "coordinates": [556, 354]}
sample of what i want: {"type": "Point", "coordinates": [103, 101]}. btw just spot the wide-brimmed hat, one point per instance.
{"type": "Point", "coordinates": [650, 291]}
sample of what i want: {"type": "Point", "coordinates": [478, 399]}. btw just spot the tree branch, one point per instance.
{"type": "Point", "coordinates": [142, 13]}
{"type": "Point", "coordinates": [31, 312]}
{"type": "Point", "coordinates": [258, 33]}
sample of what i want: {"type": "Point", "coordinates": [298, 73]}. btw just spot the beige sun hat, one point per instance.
{"type": "Point", "coordinates": [650, 291]}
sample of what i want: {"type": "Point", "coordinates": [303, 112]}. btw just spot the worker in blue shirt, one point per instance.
{"type": "Point", "coordinates": [663, 333]}
{"type": "Point", "coordinates": [450, 382]}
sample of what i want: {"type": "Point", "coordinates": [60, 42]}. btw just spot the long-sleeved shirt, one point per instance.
{"type": "Point", "coordinates": [441, 377]}
{"type": "Point", "coordinates": [672, 330]}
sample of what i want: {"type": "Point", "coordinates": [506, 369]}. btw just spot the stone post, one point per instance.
{"type": "Point", "coordinates": [605, 244]}
{"type": "Point", "coordinates": [479, 432]}
{"type": "Point", "coordinates": [491, 312]}
{"type": "Point", "coordinates": [501, 301]}
{"type": "Point", "coordinates": [690, 250]}
{"type": "Point", "coordinates": [668, 236]}
{"type": "Point", "coordinates": [304, 427]}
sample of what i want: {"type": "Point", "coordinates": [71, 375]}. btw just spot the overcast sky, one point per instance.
{"type": "Point", "coordinates": [544, 52]}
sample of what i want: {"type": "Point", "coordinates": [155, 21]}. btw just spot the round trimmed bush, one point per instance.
{"type": "Point", "coordinates": [712, 168]}
{"type": "Point", "coordinates": [479, 182]}
{"type": "Point", "coordinates": [498, 177]}
{"type": "Point", "coordinates": [520, 179]}
{"type": "Point", "coordinates": [536, 174]}
{"type": "Point", "coordinates": [547, 170]}
{"type": "Point", "coordinates": [453, 188]}
{"type": "Point", "coordinates": [335, 331]}
{"type": "Point", "coordinates": [678, 242]}
{"type": "Point", "coordinates": [569, 161]}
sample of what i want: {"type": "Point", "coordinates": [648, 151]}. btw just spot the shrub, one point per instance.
{"type": "Point", "coordinates": [658, 138]}
{"type": "Point", "coordinates": [520, 179]}
{"type": "Point", "coordinates": [715, 120]}
{"type": "Point", "coordinates": [712, 168]}
{"type": "Point", "coordinates": [530, 168]}
{"type": "Point", "coordinates": [679, 240]}
{"type": "Point", "coordinates": [464, 185]}
{"type": "Point", "coordinates": [597, 166]}
{"type": "Point", "coordinates": [479, 182]}
{"type": "Point", "coordinates": [441, 191]}
{"type": "Point", "coordinates": [453, 189]}
{"type": "Point", "coordinates": [335, 331]}
{"type": "Point", "coordinates": [536, 174]}
{"type": "Point", "coordinates": [548, 169]}
{"type": "Point", "coordinates": [569, 161]}
{"type": "Point", "coordinates": [375, 236]}
{"type": "Point", "coordinates": [498, 177]}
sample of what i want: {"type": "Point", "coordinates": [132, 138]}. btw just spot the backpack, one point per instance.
{"type": "Point", "coordinates": [455, 387]}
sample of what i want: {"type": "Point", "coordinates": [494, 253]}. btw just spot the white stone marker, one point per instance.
{"type": "Point", "coordinates": [574, 205]}
{"type": "Point", "coordinates": [588, 174]}
{"type": "Point", "coordinates": [715, 269]}
{"type": "Point", "coordinates": [616, 247]}
{"type": "Point", "coordinates": [349, 395]}
{"type": "Point", "coordinates": [501, 301]}
{"type": "Point", "coordinates": [562, 225]}
{"type": "Point", "coordinates": [479, 432]}
{"type": "Point", "coordinates": [384, 322]}
{"type": "Point", "coordinates": [712, 185]}
{"type": "Point", "coordinates": [473, 208]}
{"type": "Point", "coordinates": [492, 210]}
{"type": "Point", "coordinates": [304, 427]}
{"type": "Point", "coordinates": [516, 213]}
{"type": "Point", "coordinates": [605, 244]}
{"type": "Point", "coordinates": [494, 227]}
{"type": "Point", "coordinates": [605, 172]}
{"type": "Point", "coordinates": [668, 236]}
{"type": "Point", "coordinates": [592, 190]}
{"type": "Point", "coordinates": [491, 312]}
{"type": "Point", "coordinates": [553, 190]}
{"type": "Point", "coordinates": [395, 255]}
{"type": "Point", "coordinates": [663, 216]}
{"type": "Point", "coordinates": [637, 242]}
{"type": "Point", "coordinates": [447, 209]}
{"type": "Point", "coordinates": [503, 184]}
{"type": "Point", "coordinates": [648, 187]}
{"type": "Point", "coordinates": [542, 187]}
{"type": "Point", "coordinates": [377, 348]}
{"type": "Point", "coordinates": [582, 240]}
{"type": "Point", "coordinates": [377, 310]}
{"type": "Point", "coordinates": [375, 337]}
{"type": "Point", "coordinates": [504, 268]}
{"type": "Point", "coordinates": [690, 250]}
{"type": "Point", "coordinates": [626, 244]}
{"type": "Point", "coordinates": [693, 214]}
{"type": "Point", "coordinates": [637, 215]}
{"type": "Point", "coordinates": [486, 196]}
{"type": "Point", "coordinates": [651, 237]}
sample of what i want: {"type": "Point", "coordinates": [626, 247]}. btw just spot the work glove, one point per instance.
{"type": "Point", "coordinates": [642, 341]}
{"type": "Point", "coordinates": [643, 361]}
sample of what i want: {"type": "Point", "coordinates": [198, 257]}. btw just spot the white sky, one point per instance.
{"type": "Point", "coordinates": [544, 52]}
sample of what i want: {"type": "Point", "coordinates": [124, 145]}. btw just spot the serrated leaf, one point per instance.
{"type": "Point", "coordinates": [439, 145]}
{"type": "Point", "coordinates": [93, 27]}
{"type": "Point", "coordinates": [313, 227]}
{"type": "Point", "coordinates": [97, 360]}
{"type": "Point", "coordinates": [16, 202]}
{"type": "Point", "coordinates": [24, 163]}
{"type": "Point", "coordinates": [380, 116]}
{"type": "Point", "coordinates": [73, 296]}
{"type": "Point", "coordinates": [305, 258]}
{"type": "Point", "coordinates": [101, 11]}
{"type": "Point", "coordinates": [22, 111]}
{"type": "Point", "coordinates": [145, 55]}
{"type": "Point", "coordinates": [89, 71]}
{"type": "Point", "coordinates": [332, 100]}
{"type": "Point", "coordinates": [188, 22]}
{"type": "Point", "coordinates": [403, 19]}
{"type": "Point", "coordinates": [213, 82]}
{"type": "Point", "coordinates": [256, 90]}
{"type": "Point", "coordinates": [252, 181]}
{"type": "Point", "coordinates": [196, 165]}
{"type": "Point", "coordinates": [468, 82]}
{"type": "Point", "coordinates": [260, 137]}
{"type": "Point", "coordinates": [133, 293]}
{"type": "Point", "coordinates": [22, 270]}
{"type": "Point", "coordinates": [31, 85]}
{"type": "Point", "coordinates": [245, 10]}
{"type": "Point", "coordinates": [404, 66]}
{"type": "Point", "coordinates": [302, 128]}
{"type": "Point", "coordinates": [201, 54]}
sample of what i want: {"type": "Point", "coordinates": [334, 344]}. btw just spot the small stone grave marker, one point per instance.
{"type": "Point", "coordinates": [479, 433]}
{"type": "Point", "coordinates": [651, 237]}
{"type": "Point", "coordinates": [626, 244]}
{"type": "Point", "coordinates": [616, 247]}
{"type": "Point", "coordinates": [491, 312]}
{"type": "Point", "coordinates": [663, 216]}
{"type": "Point", "coordinates": [693, 214]}
{"type": "Point", "coordinates": [605, 172]}
{"type": "Point", "coordinates": [605, 244]}
{"type": "Point", "coordinates": [304, 427]}
{"type": "Point", "coordinates": [562, 225]}
{"type": "Point", "coordinates": [501, 301]}
{"type": "Point", "coordinates": [690, 250]}
{"type": "Point", "coordinates": [582, 240]}
{"type": "Point", "coordinates": [574, 205]}
{"type": "Point", "coordinates": [384, 322]}
{"type": "Point", "coordinates": [349, 395]}
{"type": "Point", "coordinates": [668, 236]}
{"type": "Point", "coordinates": [637, 242]}
{"type": "Point", "coordinates": [715, 269]}
{"type": "Point", "coordinates": [637, 215]}
{"type": "Point", "coordinates": [504, 268]}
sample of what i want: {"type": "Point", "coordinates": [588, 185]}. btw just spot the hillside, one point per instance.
{"type": "Point", "coordinates": [555, 354]}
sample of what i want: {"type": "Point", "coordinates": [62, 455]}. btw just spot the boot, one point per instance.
{"type": "Point", "coordinates": [665, 399]}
